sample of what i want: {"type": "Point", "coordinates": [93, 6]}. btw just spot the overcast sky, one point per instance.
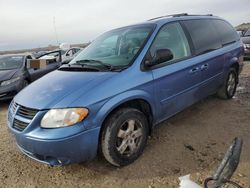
{"type": "Point", "coordinates": [29, 23]}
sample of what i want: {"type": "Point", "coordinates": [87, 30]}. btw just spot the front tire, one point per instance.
{"type": "Point", "coordinates": [124, 136]}
{"type": "Point", "coordinates": [227, 91]}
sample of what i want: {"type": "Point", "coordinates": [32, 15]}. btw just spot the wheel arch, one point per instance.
{"type": "Point", "coordinates": [235, 63]}
{"type": "Point", "coordinates": [135, 99]}
{"type": "Point", "coordinates": [236, 66]}
{"type": "Point", "coordinates": [137, 103]}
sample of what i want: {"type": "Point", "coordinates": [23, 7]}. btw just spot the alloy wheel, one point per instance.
{"type": "Point", "coordinates": [129, 137]}
{"type": "Point", "coordinates": [231, 83]}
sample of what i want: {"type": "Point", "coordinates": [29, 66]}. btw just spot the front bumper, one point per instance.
{"type": "Point", "coordinates": [73, 149]}
{"type": "Point", "coordinates": [57, 146]}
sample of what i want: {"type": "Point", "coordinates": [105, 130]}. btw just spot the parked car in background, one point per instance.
{"type": "Point", "coordinates": [71, 54]}
{"type": "Point", "coordinates": [54, 61]}
{"type": "Point", "coordinates": [15, 74]}
{"type": "Point", "coordinates": [66, 55]}
{"type": "Point", "coordinates": [126, 82]}
{"type": "Point", "coordinates": [246, 40]}
{"type": "Point", "coordinates": [52, 56]}
{"type": "Point", "coordinates": [240, 33]}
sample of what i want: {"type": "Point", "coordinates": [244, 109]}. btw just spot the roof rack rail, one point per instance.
{"type": "Point", "coordinates": [200, 15]}
{"type": "Point", "coordinates": [182, 14]}
{"type": "Point", "coordinates": [179, 15]}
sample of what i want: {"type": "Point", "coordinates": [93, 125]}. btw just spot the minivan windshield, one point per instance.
{"type": "Point", "coordinates": [116, 48]}
{"type": "Point", "coordinates": [10, 62]}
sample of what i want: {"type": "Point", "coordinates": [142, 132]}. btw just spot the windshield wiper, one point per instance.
{"type": "Point", "coordinates": [78, 67]}
{"type": "Point", "coordinates": [89, 62]}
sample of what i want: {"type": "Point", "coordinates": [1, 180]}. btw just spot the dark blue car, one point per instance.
{"type": "Point", "coordinates": [15, 74]}
{"type": "Point", "coordinates": [127, 81]}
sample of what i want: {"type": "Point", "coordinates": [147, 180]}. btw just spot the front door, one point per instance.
{"type": "Point", "coordinates": [176, 81]}
{"type": "Point", "coordinates": [53, 62]}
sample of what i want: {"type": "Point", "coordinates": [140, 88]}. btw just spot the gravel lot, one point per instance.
{"type": "Point", "coordinates": [208, 127]}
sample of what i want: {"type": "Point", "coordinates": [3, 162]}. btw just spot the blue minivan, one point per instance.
{"type": "Point", "coordinates": [110, 97]}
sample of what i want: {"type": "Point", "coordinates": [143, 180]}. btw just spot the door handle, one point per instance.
{"type": "Point", "coordinates": [204, 67]}
{"type": "Point", "coordinates": [194, 70]}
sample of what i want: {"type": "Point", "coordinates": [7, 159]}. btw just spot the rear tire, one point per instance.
{"type": "Point", "coordinates": [228, 89]}
{"type": "Point", "coordinates": [124, 136]}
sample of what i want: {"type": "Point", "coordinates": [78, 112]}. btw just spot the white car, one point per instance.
{"type": "Point", "coordinates": [70, 54]}
{"type": "Point", "coordinates": [66, 55]}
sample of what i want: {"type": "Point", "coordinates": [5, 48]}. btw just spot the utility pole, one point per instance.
{"type": "Point", "coordinates": [54, 23]}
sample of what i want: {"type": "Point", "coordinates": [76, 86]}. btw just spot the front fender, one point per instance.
{"type": "Point", "coordinates": [119, 99]}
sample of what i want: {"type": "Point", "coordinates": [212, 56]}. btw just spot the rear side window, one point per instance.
{"type": "Point", "coordinates": [204, 35]}
{"type": "Point", "coordinates": [226, 31]}
{"type": "Point", "coordinates": [171, 37]}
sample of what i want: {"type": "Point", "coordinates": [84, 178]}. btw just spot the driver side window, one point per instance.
{"type": "Point", "coordinates": [171, 37]}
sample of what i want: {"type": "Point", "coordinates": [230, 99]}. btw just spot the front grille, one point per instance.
{"type": "Point", "coordinates": [12, 111]}
{"type": "Point", "coordinates": [19, 116]}
{"type": "Point", "coordinates": [13, 106]}
{"type": "Point", "coordinates": [26, 112]}
{"type": "Point", "coordinates": [19, 125]}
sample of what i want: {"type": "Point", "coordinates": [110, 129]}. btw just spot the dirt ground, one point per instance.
{"type": "Point", "coordinates": [208, 127]}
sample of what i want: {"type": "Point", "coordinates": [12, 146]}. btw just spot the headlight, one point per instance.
{"type": "Point", "coordinates": [8, 82]}
{"type": "Point", "coordinates": [56, 118]}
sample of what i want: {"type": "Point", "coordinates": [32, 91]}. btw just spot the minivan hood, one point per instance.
{"type": "Point", "coordinates": [7, 74]}
{"type": "Point", "coordinates": [246, 40]}
{"type": "Point", "coordinates": [56, 86]}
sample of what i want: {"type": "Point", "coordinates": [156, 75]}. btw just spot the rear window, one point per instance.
{"type": "Point", "coordinates": [204, 35]}
{"type": "Point", "coordinates": [226, 31]}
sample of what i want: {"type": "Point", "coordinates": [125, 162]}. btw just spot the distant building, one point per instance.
{"type": "Point", "coordinates": [243, 26]}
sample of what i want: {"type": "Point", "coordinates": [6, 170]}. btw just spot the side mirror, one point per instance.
{"type": "Point", "coordinates": [161, 56]}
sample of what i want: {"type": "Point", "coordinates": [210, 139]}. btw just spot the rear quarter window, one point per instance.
{"type": "Point", "coordinates": [227, 33]}
{"type": "Point", "coordinates": [204, 35]}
